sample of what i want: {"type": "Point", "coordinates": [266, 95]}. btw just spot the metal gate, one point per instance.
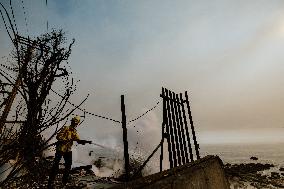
{"type": "Point", "coordinates": [175, 129]}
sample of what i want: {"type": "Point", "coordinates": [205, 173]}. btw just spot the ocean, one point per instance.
{"type": "Point", "coordinates": [241, 153]}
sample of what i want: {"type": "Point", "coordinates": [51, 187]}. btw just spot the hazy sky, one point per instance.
{"type": "Point", "coordinates": [227, 54]}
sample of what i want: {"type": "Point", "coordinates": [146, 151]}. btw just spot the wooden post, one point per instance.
{"type": "Point", "coordinates": [126, 155]}
{"type": "Point", "coordinates": [15, 89]}
{"type": "Point", "coordinates": [10, 102]}
{"type": "Point", "coordinates": [192, 127]}
{"type": "Point", "coordinates": [31, 45]}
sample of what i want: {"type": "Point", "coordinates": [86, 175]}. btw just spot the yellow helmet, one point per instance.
{"type": "Point", "coordinates": [76, 119]}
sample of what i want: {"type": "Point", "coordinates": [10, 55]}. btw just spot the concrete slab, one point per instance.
{"type": "Point", "coordinates": [205, 173]}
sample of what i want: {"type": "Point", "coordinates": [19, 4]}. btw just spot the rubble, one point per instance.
{"type": "Point", "coordinates": [80, 177]}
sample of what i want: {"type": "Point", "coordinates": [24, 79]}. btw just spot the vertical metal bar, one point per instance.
{"type": "Point", "coordinates": [181, 130]}
{"type": "Point", "coordinates": [167, 125]}
{"type": "Point", "coordinates": [186, 128]}
{"type": "Point", "coordinates": [163, 131]}
{"type": "Point", "coordinates": [192, 127]}
{"type": "Point", "coordinates": [175, 129]}
{"type": "Point", "coordinates": [171, 134]}
{"type": "Point", "coordinates": [162, 148]}
{"type": "Point", "coordinates": [177, 124]}
{"type": "Point", "coordinates": [123, 123]}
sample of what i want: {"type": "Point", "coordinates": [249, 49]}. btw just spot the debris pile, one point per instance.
{"type": "Point", "coordinates": [80, 177]}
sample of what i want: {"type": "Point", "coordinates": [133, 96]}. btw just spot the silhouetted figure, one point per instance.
{"type": "Point", "coordinates": [65, 138]}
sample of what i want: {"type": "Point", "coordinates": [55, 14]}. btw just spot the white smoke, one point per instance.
{"type": "Point", "coordinates": [143, 137]}
{"type": "Point", "coordinates": [111, 158]}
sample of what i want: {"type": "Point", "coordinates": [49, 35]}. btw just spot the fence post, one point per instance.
{"type": "Point", "coordinates": [123, 123]}
{"type": "Point", "coordinates": [164, 125]}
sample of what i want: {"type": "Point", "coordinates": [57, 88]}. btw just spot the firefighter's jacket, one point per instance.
{"type": "Point", "coordinates": [65, 138]}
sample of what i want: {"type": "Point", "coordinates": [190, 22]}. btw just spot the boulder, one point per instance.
{"type": "Point", "coordinates": [275, 175]}
{"type": "Point", "coordinates": [253, 158]}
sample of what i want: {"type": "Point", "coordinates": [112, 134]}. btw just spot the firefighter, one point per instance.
{"type": "Point", "coordinates": [65, 139]}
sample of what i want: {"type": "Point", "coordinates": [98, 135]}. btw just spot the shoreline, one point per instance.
{"type": "Point", "coordinates": [254, 175]}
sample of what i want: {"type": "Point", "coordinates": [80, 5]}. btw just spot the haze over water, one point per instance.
{"type": "Point", "coordinates": [241, 153]}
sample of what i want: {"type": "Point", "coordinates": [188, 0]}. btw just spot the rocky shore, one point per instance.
{"type": "Point", "coordinates": [251, 175]}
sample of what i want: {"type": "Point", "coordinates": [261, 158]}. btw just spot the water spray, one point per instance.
{"type": "Point", "coordinates": [83, 142]}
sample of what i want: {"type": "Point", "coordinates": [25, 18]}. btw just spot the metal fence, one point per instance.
{"type": "Point", "coordinates": [175, 129]}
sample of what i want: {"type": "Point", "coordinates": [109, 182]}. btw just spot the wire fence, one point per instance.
{"type": "Point", "coordinates": [142, 115]}
{"type": "Point", "coordinates": [105, 117]}
{"type": "Point", "coordinates": [9, 68]}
